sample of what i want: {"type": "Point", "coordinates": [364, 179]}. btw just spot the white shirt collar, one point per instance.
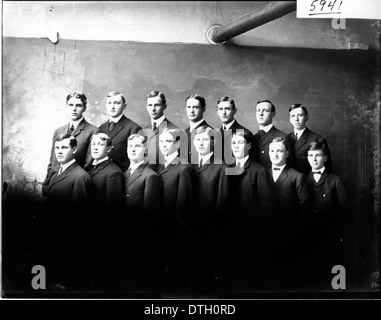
{"type": "Point", "coordinates": [75, 123]}
{"type": "Point", "coordinates": [96, 162]}
{"type": "Point", "coordinates": [158, 121]}
{"type": "Point", "coordinates": [116, 120]}
{"type": "Point", "coordinates": [170, 158]}
{"type": "Point", "coordinates": [227, 126]}
{"type": "Point", "coordinates": [134, 166]}
{"type": "Point", "coordinates": [266, 128]}
{"type": "Point", "coordinates": [299, 132]}
{"type": "Point", "coordinates": [321, 170]}
{"type": "Point", "coordinates": [281, 168]}
{"type": "Point", "coordinates": [242, 161]}
{"type": "Point", "coordinates": [205, 158]}
{"type": "Point", "coordinates": [193, 125]}
{"type": "Point", "coordinates": [67, 164]}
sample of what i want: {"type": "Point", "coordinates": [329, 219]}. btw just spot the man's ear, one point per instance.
{"type": "Point", "coordinates": [248, 146]}
{"type": "Point", "coordinates": [74, 150]}
{"type": "Point", "coordinates": [287, 153]}
{"type": "Point", "coordinates": [109, 148]}
{"type": "Point", "coordinates": [164, 107]}
{"type": "Point", "coordinates": [325, 158]}
{"type": "Point", "coordinates": [234, 111]}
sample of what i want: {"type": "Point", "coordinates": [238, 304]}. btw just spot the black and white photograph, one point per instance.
{"type": "Point", "coordinates": [219, 150]}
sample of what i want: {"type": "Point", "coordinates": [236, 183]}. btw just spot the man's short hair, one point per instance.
{"type": "Point", "coordinates": [226, 98]}
{"type": "Point", "coordinates": [116, 93]}
{"type": "Point", "coordinates": [77, 95]}
{"type": "Point", "coordinates": [103, 137]}
{"type": "Point", "coordinates": [159, 94]}
{"type": "Point", "coordinates": [268, 101]}
{"type": "Point", "coordinates": [203, 129]}
{"type": "Point", "coordinates": [143, 139]}
{"type": "Point", "coordinates": [73, 140]}
{"type": "Point", "coordinates": [244, 134]}
{"type": "Point", "coordinates": [175, 133]}
{"type": "Point", "coordinates": [283, 140]}
{"type": "Point", "coordinates": [318, 145]}
{"type": "Point", "coordinates": [197, 97]}
{"type": "Point", "coordinates": [298, 105]}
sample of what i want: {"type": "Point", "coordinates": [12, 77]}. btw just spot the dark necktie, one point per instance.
{"type": "Point", "coordinates": [261, 133]}
{"type": "Point", "coordinates": [275, 169]}
{"type": "Point", "coordinates": [128, 173]}
{"type": "Point", "coordinates": [111, 125]}
{"type": "Point", "coordinates": [154, 126]}
{"type": "Point", "coordinates": [201, 164]}
{"type": "Point", "coordinates": [71, 129]}
{"type": "Point", "coordinates": [316, 172]}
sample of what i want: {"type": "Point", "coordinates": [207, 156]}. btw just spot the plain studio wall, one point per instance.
{"type": "Point", "coordinates": [340, 88]}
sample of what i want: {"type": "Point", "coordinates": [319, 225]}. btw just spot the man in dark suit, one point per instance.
{"type": "Point", "coordinates": [142, 202]}
{"type": "Point", "coordinates": [253, 197]}
{"type": "Point", "coordinates": [156, 104]}
{"type": "Point", "coordinates": [143, 185]}
{"type": "Point", "coordinates": [107, 179]}
{"type": "Point", "coordinates": [226, 109]}
{"type": "Point", "coordinates": [301, 138]}
{"type": "Point", "coordinates": [283, 238]}
{"type": "Point", "coordinates": [195, 107]}
{"type": "Point", "coordinates": [79, 128]}
{"type": "Point", "coordinates": [179, 182]}
{"type": "Point", "coordinates": [66, 195]}
{"type": "Point", "coordinates": [327, 236]}
{"type": "Point", "coordinates": [118, 128]}
{"type": "Point", "coordinates": [265, 113]}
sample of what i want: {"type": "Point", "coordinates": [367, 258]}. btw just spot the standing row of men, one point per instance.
{"type": "Point", "coordinates": [191, 175]}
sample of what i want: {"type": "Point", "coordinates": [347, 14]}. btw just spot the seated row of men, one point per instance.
{"type": "Point", "coordinates": [184, 190]}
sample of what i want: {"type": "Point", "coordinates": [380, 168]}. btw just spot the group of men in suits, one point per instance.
{"type": "Point", "coordinates": [200, 186]}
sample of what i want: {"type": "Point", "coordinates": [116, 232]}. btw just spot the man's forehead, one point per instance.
{"type": "Point", "coordinates": [193, 102]}
{"type": "Point", "coordinates": [64, 142]}
{"type": "Point", "coordinates": [264, 105]}
{"type": "Point", "coordinates": [297, 111]}
{"type": "Point", "coordinates": [277, 145]}
{"type": "Point", "coordinates": [315, 151]}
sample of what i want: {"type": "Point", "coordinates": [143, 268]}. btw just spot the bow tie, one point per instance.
{"type": "Point", "coordinates": [316, 172]}
{"type": "Point", "coordinates": [276, 169]}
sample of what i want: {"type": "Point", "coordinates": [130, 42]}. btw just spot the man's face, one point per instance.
{"type": "Point", "coordinates": [298, 119]}
{"type": "Point", "coordinates": [136, 150]}
{"type": "Point", "coordinates": [168, 144]}
{"type": "Point", "coordinates": [316, 158]}
{"type": "Point", "coordinates": [64, 152]}
{"type": "Point", "coordinates": [226, 112]}
{"type": "Point", "coordinates": [155, 107]}
{"type": "Point", "coordinates": [115, 106]}
{"type": "Point", "coordinates": [278, 153]}
{"type": "Point", "coordinates": [194, 110]}
{"type": "Point", "coordinates": [202, 143]}
{"type": "Point", "coordinates": [99, 148]}
{"type": "Point", "coordinates": [75, 108]}
{"type": "Point", "coordinates": [240, 147]}
{"type": "Point", "coordinates": [264, 114]}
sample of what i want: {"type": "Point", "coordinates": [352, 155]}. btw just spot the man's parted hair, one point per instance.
{"type": "Point", "coordinates": [73, 140]}
{"type": "Point", "coordinates": [226, 98]}
{"type": "Point", "coordinates": [283, 140]}
{"type": "Point", "coordinates": [298, 105]}
{"type": "Point", "coordinates": [197, 97]}
{"type": "Point", "coordinates": [103, 137]}
{"type": "Point", "coordinates": [159, 94]}
{"type": "Point", "coordinates": [116, 93]}
{"type": "Point", "coordinates": [143, 139]}
{"type": "Point", "coordinates": [318, 145]}
{"type": "Point", "coordinates": [77, 95]}
{"type": "Point", "coordinates": [268, 101]}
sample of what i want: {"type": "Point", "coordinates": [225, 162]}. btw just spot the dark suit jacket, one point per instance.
{"type": "Point", "coordinates": [192, 153]}
{"type": "Point", "coordinates": [179, 181]}
{"type": "Point", "coordinates": [119, 135]}
{"type": "Point", "coordinates": [69, 192]}
{"type": "Point", "coordinates": [143, 191]}
{"type": "Point", "coordinates": [153, 143]}
{"type": "Point", "coordinates": [107, 182]}
{"type": "Point", "coordinates": [293, 192]}
{"type": "Point", "coordinates": [252, 190]}
{"type": "Point", "coordinates": [330, 195]}
{"type": "Point", "coordinates": [212, 188]}
{"type": "Point", "coordinates": [299, 148]}
{"type": "Point", "coordinates": [82, 133]}
{"type": "Point", "coordinates": [261, 146]}
{"type": "Point", "coordinates": [227, 155]}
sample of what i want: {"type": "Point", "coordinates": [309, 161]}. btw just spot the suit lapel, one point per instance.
{"type": "Point", "coordinates": [99, 167]}
{"type": "Point", "coordinates": [81, 126]}
{"type": "Point", "coordinates": [322, 179]}
{"type": "Point", "coordinates": [58, 178]}
{"type": "Point", "coordinates": [118, 126]}
{"type": "Point", "coordinates": [282, 177]}
{"type": "Point", "coordinates": [136, 174]}
{"type": "Point", "coordinates": [303, 139]}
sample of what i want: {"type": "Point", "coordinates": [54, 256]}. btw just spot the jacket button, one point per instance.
{"type": "Point", "coordinates": [323, 195]}
{"type": "Point", "coordinates": [263, 151]}
{"type": "Point", "coordinates": [127, 195]}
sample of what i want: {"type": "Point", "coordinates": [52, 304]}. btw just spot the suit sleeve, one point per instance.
{"type": "Point", "coordinates": [223, 193]}
{"type": "Point", "coordinates": [81, 192]}
{"type": "Point", "coordinates": [266, 190]}
{"type": "Point", "coordinates": [52, 166]}
{"type": "Point", "coordinates": [342, 195]}
{"type": "Point", "coordinates": [304, 195]}
{"type": "Point", "coordinates": [89, 159]}
{"type": "Point", "coordinates": [185, 194]}
{"type": "Point", "coordinates": [152, 194]}
{"type": "Point", "coordinates": [115, 191]}
{"type": "Point", "coordinates": [328, 163]}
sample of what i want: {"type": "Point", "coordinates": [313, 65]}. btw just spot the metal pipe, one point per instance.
{"type": "Point", "coordinates": [256, 18]}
